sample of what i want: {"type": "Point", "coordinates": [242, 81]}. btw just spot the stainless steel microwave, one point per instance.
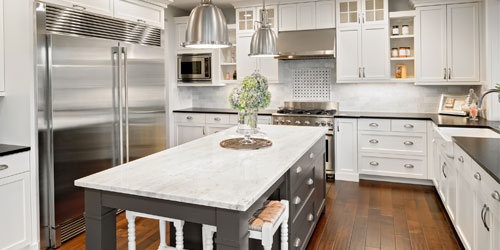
{"type": "Point", "coordinates": [194, 67]}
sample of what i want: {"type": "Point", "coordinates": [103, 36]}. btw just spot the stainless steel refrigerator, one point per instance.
{"type": "Point", "coordinates": [101, 103]}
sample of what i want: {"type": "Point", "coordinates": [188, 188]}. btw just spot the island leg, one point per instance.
{"type": "Point", "coordinates": [232, 230]}
{"type": "Point", "coordinates": [100, 223]}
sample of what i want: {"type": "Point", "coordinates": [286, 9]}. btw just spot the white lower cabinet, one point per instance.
{"type": "Point", "coordinates": [465, 210]}
{"type": "Point", "coordinates": [346, 149]}
{"type": "Point", "coordinates": [213, 129]}
{"type": "Point", "coordinates": [15, 208]}
{"type": "Point", "coordinates": [188, 132]}
{"type": "Point", "coordinates": [482, 224]}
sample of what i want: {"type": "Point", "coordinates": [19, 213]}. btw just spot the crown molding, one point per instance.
{"type": "Point", "coordinates": [255, 3]}
{"type": "Point", "coordinates": [421, 3]}
{"type": "Point", "coordinates": [161, 3]}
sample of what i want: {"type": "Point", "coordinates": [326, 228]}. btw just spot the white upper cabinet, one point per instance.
{"type": "Point", "coordinates": [138, 11]}
{"type": "Point", "coordinates": [2, 54]}
{"type": "Point", "coordinates": [448, 44]}
{"type": "Point", "coordinates": [463, 42]}
{"type": "Point", "coordinates": [362, 41]}
{"type": "Point", "coordinates": [288, 17]}
{"type": "Point", "coordinates": [306, 16]}
{"type": "Point", "coordinates": [431, 42]}
{"type": "Point", "coordinates": [104, 7]}
{"type": "Point", "coordinates": [325, 14]}
{"type": "Point", "coordinates": [180, 35]}
{"type": "Point", "coordinates": [246, 64]}
{"type": "Point", "coordinates": [272, 16]}
{"type": "Point", "coordinates": [245, 19]}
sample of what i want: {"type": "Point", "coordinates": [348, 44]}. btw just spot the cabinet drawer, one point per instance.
{"type": "Point", "coordinates": [401, 143]}
{"type": "Point", "coordinates": [217, 119]}
{"type": "Point", "coordinates": [303, 227]}
{"type": "Point", "coordinates": [189, 118]}
{"type": "Point", "coordinates": [14, 164]}
{"type": "Point", "coordinates": [488, 187]}
{"type": "Point", "coordinates": [408, 167]}
{"type": "Point", "coordinates": [301, 169]}
{"type": "Point", "coordinates": [412, 126]}
{"type": "Point", "coordinates": [374, 125]}
{"type": "Point", "coordinates": [139, 11]}
{"type": "Point", "coordinates": [300, 197]}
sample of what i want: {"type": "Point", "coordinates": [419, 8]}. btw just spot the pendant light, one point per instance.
{"type": "Point", "coordinates": [207, 28]}
{"type": "Point", "coordinates": [263, 40]}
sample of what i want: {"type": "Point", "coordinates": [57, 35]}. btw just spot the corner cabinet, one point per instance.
{"type": "Point", "coordinates": [346, 149]}
{"type": "Point", "coordinates": [448, 44]}
{"type": "Point", "coordinates": [363, 41]}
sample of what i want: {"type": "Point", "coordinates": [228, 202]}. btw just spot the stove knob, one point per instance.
{"type": "Point", "coordinates": [288, 122]}
{"type": "Point", "coordinates": [307, 123]}
{"type": "Point", "coordinates": [329, 124]}
{"type": "Point", "coordinates": [317, 123]}
{"type": "Point", "coordinates": [323, 123]}
{"type": "Point", "coordinates": [297, 122]}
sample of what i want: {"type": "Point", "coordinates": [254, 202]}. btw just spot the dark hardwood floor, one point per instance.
{"type": "Point", "coordinates": [367, 215]}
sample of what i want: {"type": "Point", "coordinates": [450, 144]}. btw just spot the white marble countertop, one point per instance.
{"type": "Point", "coordinates": [202, 173]}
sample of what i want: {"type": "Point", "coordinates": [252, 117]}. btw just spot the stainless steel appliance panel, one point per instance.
{"type": "Point", "coordinates": [330, 152]}
{"type": "Point", "coordinates": [145, 89]}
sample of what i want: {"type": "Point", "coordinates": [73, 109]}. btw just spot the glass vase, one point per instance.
{"type": "Point", "coordinates": [247, 125]}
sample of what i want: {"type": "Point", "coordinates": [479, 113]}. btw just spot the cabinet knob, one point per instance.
{"type": "Point", "coordinates": [298, 170]}
{"type": "Point", "coordinates": [374, 125]}
{"type": "Point", "coordinates": [310, 217]}
{"type": "Point", "coordinates": [374, 141]}
{"type": "Point", "coordinates": [189, 118]}
{"type": "Point", "coordinates": [3, 167]}
{"type": "Point", "coordinates": [374, 163]}
{"type": "Point", "coordinates": [217, 119]}
{"type": "Point", "coordinates": [409, 166]}
{"type": "Point", "coordinates": [409, 126]}
{"type": "Point", "coordinates": [408, 143]}
{"type": "Point", "coordinates": [297, 200]}
{"type": "Point", "coordinates": [297, 243]}
{"type": "Point", "coordinates": [495, 195]}
{"type": "Point", "coordinates": [477, 176]}
{"type": "Point", "coordinates": [461, 159]}
{"type": "Point", "coordinates": [311, 156]}
{"type": "Point", "coordinates": [310, 182]}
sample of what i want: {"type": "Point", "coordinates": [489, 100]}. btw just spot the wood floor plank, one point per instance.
{"type": "Point", "coordinates": [373, 228]}
{"type": "Point", "coordinates": [358, 238]}
{"type": "Point", "coordinates": [387, 235]}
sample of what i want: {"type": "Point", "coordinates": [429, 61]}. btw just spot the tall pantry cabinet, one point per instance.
{"type": "Point", "coordinates": [362, 40]}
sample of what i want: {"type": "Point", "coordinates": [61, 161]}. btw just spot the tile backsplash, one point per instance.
{"type": "Point", "coordinates": [371, 97]}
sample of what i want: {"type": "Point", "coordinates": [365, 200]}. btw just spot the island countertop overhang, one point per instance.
{"type": "Point", "coordinates": [202, 173]}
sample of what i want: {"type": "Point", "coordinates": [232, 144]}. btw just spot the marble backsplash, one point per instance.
{"type": "Point", "coordinates": [370, 97]}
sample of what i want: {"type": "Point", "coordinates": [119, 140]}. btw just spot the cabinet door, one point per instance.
{"type": "Point", "coordinates": [246, 64]}
{"type": "Point", "coordinates": [346, 149]}
{"type": "Point", "coordinates": [451, 180]}
{"type": "Point", "coordinates": [443, 186]}
{"type": "Point", "coordinates": [180, 32]}
{"type": "Point", "coordinates": [375, 12]}
{"type": "Point", "coordinates": [272, 16]}
{"type": "Point", "coordinates": [138, 11]}
{"type": "Point", "coordinates": [319, 182]}
{"type": "Point", "coordinates": [431, 44]}
{"type": "Point", "coordinates": [325, 14]}
{"type": "Point", "coordinates": [245, 19]}
{"type": "Point", "coordinates": [465, 210]}
{"type": "Point", "coordinates": [103, 7]}
{"type": "Point", "coordinates": [495, 229]}
{"type": "Point", "coordinates": [15, 212]}
{"type": "Point", "coordinates": [287, 17]}
{"type": "Point", "coordinates": [213, 129]}
{"type": "Point", "coordinates": [482, 224]}
{"type": "Point", "coordinates": [188, 132]}
{"type": "Point", "coordinates": [375, 52]}
{"type": "Point", "coordinates": [463, 42]}
{"type": "Point", "coordinates": [349, 53]}
{"type": "Point", "coordinates": [348, 12]}
{"type": "Point", "coordinates": [306, 16]}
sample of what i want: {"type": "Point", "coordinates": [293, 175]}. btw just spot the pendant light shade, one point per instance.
{"type": "Point", "coordinates": [207, 28]}
{"type": "Point", "coordinates": [263, 42]}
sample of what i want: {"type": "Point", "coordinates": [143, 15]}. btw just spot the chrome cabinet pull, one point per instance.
{"type": "Point", "coordinates": [484, 212]}
{"type": "Point", "coordinates": [409, 126]}
{"type": "Point", "coordinates": [364, 73]}
{"type": "Point", "coordinates": [76, 6]}
{"type": "Point", "coordinates": [461, 159]}
{"type": "Point", "coordinates": [449, 73]}
{"type": "Point", "coordinates": [217, 119]}
{"type": "Point", "coordinates": [374, 163]}
{"type": "Point", "coordinates": [297, 200]}
{"type": "Point", "coordinates": [374, 141]}
{"type": "Point", "coordinates": [310, 182]}
{"type": "Point", "coordinates": [495, 195]}
{"type": "Point", "coordinates": [374, 125]}
{"type": "Point", "coordinates": [189, 118]}
{"type": "Point", "coordinates": [445, 74]}
{"type": "Point", "coordinates": [477, 176]}
{"type": "Point", "coordinates": [442, 170]}
{"type": "Point", "coordinates": [310, 217]}
{"type": "Point", "coordinates": [408, 143]}
{"type": "Point", "coordinates": [297, 243]}
{"type": "Point", "coordinates": [298, 170]}
{"type": "Point", "coordinates": [409, 166]}
{"type": "Point", "coordinates": [359, 72]}
{"type": "Point", "coordinates": [4, 167]}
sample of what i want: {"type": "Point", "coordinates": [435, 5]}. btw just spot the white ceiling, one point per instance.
{"type": "Point", "coordinates": [190, 4]}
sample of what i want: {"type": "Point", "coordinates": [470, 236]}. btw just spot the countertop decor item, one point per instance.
{"type": "Point", "coordinates": [252, 95]}
{"type": "Point", "coordinates": [235, 143]}
{"type": "Point", "coordinates": [452, 105]}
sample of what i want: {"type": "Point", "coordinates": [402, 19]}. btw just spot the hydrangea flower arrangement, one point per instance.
{"type": "Point", "coordinates": [252, 95]}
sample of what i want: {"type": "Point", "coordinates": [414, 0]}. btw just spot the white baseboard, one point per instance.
{"type": "Point", "coordinates": [35, 246]}
{"type": "Point", "coordinates": [347, 177]}
{"type": "Point", "coordinates": [396, 180]}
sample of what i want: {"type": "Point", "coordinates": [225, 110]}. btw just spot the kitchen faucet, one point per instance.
{"type": "Point", "coordinates": [489, 91]}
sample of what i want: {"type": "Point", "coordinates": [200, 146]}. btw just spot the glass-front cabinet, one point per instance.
{"type": "Point", "coordinates": [355, 12]}
{"type": "Point", "coordinates": [245, 19]}
{"type": "Point", "coordinates": [374, 11]}
{"type": "Point", "coordinates": [272, 19]}
{"type": "Point", "coordinates": [348, 12]}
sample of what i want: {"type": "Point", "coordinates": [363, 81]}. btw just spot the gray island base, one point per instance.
{"type": "Point", "coordinates": [202, 183]}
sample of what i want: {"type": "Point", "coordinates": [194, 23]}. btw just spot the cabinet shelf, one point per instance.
{"type": "Point", "coordinates": [402, 58]}
{"type": "Point", "coordinates": [402, 14]}
{"type": "Point", "coordinates": [228, 64]}
{"type": "Point", "coordinates": [402, 37]}
{"type": "Point", "coordinates": [393, 79]}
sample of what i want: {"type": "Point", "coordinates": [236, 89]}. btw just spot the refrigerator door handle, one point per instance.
{"type": "Point", "coordinates": [116, 56]}
{"type": "Point", "coordinates": [125, 82]}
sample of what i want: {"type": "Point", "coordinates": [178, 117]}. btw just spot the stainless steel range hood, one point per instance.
{"type": "Point", "coordinates": [309, 44]}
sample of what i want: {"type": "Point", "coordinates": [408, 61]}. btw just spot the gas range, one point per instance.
{"type": "Point", "coordinates": [306, 114]}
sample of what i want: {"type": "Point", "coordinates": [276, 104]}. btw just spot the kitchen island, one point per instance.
{"type": "Point", "coordinates": [202, 183]}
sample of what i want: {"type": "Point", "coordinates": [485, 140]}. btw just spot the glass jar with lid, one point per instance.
{"type": "Point", "coordinates": [394, 52]}
{"type": "Point", "coordinates": [405, 30]}
{"type": "Point", "coordinates": [395, 30]}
